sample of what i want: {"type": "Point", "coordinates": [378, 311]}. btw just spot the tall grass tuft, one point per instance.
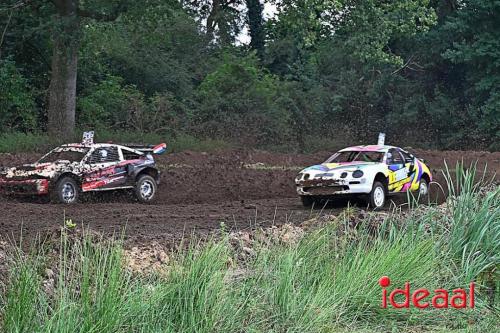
{"type": "Point", "coordinates": [473, 238]}
{"type": "Point", "coordinates": [24, 297]}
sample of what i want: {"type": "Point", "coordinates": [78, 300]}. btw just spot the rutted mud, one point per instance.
{"type": "Point", "coordinates": [198, 192]}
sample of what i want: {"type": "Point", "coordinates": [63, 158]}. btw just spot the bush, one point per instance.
{"type": "Point", "coordinates": [238, 102]}
{"type": "Point", "coordinates": [17, 107]}
{"type": "Point", "coordinates": [113, 105]}
{"type": "Point", "coordinates": [109, 104]}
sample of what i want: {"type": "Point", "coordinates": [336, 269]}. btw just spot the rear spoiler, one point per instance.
{"type": "Point", "coordinates": [155, 149]}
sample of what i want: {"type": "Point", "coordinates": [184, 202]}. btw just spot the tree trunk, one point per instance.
{"type": "Point", "coordinates": [62, 89]}
{"type": "Point", "coordinates": [256, 26]}
{"type": "Point", "coordinates": [213, 18]}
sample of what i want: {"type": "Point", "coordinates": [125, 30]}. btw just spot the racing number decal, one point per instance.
{"type": "Point", "coordinates": [398, 177]}
{"type": "Point", "coordinates": [400, 174]}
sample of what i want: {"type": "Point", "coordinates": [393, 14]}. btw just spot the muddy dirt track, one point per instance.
{"type": "Point", "coordinates": [198, 191]}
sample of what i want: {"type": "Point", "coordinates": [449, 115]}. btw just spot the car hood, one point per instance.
{"type": "Point", "coordinates": [37, 170]}
{"type": "Point", "coordinates": [346, 166]}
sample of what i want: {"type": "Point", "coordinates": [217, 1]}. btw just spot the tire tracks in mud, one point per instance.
{"type": "Point", "coordinates": [198, 192]}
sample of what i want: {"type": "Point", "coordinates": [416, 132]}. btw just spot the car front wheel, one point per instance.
{"type": "Point", "coordinates": [145, 188]}
{"type": "Point", "coordinates": [66, 191]}
{"type": "Point", "coordinates": [307, 200]}
{"type": "Point", "coordinates": [377, 195]}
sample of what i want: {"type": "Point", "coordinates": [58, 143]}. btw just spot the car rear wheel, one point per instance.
{"type": "Point", "coordinates": [145, 188]}
{"type": "Point", "coordinates": [423, 189]}
{"type": "Point", "coordinates": [377, 195]}
{"type": "Point", "coordinates": [66, 191]}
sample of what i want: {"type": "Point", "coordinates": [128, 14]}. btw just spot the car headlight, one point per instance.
{"type": "Point", "coordinates": [343, 175]}
{"type": "Point", "coordinates": [357, 174]}
{"type": "Point", "coordinates": [299, 176]}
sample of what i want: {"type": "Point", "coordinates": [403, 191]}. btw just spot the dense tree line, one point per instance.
{"type": "Point", "coordinates": [424, 71]}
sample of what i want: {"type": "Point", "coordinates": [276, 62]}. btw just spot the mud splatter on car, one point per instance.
{"type": "Point", "coordinates": [71, 169]}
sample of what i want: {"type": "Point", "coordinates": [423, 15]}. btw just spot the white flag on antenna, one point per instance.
{"type": "Point", "coordinates": [88, 138]}
{"type": "Point", "coordinates": [381, 139]}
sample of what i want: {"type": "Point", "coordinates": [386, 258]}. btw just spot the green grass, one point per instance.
{"type": "Point", "coordinates": [326, 282]}
{"type": "Point", "coordinates": [16, 142]}
{"type": "Point", "coordinates": [32, 142]}
{"type": "Point", "coordinates": [21, 142]}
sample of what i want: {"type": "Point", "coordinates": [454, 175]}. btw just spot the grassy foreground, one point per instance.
{"type": "Point", "coordinates": [326, 282]}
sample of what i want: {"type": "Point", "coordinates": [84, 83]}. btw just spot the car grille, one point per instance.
{"type": "Point", "coordinates": [326, 190]}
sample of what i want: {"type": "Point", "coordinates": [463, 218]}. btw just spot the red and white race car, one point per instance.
{"type": "Point", "coordinates": [69, 170]}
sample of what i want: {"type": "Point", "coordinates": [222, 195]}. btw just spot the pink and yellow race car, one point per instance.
{"type": "Point", "coordinates": [373, 172]}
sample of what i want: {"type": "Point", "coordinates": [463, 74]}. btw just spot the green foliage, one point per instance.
{"type": "Point", "coordinates": [256, 26]}
{"type": "Point", "coordinates": [111, 105]}
{"type": "Point", "coordinates": [238, 102]}
{"type": "Point", "coordinates": [41, 143]}
{"type": "Point", "coordinates": [425, 72]}
{"type": "Point", "coordinates": [476, 47]}
{"type": "Point", "coordinates": [372, 26]}
{"type": "Point", "coordinates": [17, 108]}
{"type": "Point", "coordinates": [12, 142]}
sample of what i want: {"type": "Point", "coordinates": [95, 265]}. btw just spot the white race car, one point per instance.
{"type": "Point", "coordinates": [370, 171]}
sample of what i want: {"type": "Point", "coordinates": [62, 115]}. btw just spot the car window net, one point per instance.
{"type": "Point", "coordinates": [104, 155]}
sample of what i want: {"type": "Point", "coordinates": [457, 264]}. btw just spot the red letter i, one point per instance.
{"type": "Point", "coordinates": [384, 281]}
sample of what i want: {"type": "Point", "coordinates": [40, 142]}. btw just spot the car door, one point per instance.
{"type": "Point", "coordinates": [399, 179]}
{"type": "Point", "coordinates": [413, 170]}
{"type": "Point", "coordinates": [104, 169]}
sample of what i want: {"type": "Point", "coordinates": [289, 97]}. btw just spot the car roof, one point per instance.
{"type": "Point", "coordinates": [375, 148]}
{"type": "Point", "coordinates": [98, 145]}
{"type": "Point", "coordinates": [94, 145]}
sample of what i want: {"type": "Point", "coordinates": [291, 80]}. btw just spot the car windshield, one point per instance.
{"type": "Point", "coordinates": [64, 154]}
{"type": "Point", "coordinates": [356, 156]}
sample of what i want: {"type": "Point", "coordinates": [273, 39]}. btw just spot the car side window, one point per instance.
{"type": "Point", "coordinates": [407, 158]}
{"type": "Point", "coordinates": [130, 155]}
{"type": "Point", "coordinates": [104, 155]}
{"type": "Point", "coordinates": [394, 157]}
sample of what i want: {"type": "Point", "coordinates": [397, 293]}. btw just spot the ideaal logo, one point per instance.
{"type": "Point", "coordinates": [460, 298]}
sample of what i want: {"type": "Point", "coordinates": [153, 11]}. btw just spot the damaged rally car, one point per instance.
{"type": "Point", "coordinates": [373, 172]}
{"type": "Point", "coordinates": [67, 171]}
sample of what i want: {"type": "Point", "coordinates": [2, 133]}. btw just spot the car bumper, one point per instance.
{"type": "Point", "coordinates": [334, 187]}
{"type": "Point", "coordinates": [28, 187]}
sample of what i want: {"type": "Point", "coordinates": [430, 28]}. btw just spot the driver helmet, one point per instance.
{"type": "Point", "coordinates": [104, 154]}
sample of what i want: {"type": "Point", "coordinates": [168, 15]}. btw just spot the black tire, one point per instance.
{"type": "Point", "coordinates": [145, 188]}
{"type": "Point", "coordinates": [423, 190]}
{"type": "Point", "coordinates": [307, 200]}
{"type": "Point", "coordinates": [377, 196]}
{"type": "Point", "coordinates": [66, 191]}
